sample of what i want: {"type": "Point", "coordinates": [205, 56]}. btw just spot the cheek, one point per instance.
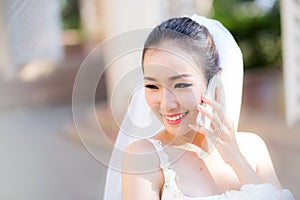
{"type": "Point", "coordinates": [200, 91]}
{"type": "Point", "coordinates": [187, 100]}
{"type": "Point", "coordinates": [192, 98]}
{"type": "Point", "coordinates": [151, 99]}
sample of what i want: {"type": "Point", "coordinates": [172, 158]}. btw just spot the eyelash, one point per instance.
{"type": "Point", "coordinates": [151, 87]}
{"type": "Point", "coordinates": [178, 85]}
{"type": "Point", "coordinates": [183, 85]}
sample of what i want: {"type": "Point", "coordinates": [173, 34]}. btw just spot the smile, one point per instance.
{"type": "Point", "coordinates": [175, 119]}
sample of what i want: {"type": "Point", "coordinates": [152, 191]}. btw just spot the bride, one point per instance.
{"type": "Point", "coordinates": [197, 154]}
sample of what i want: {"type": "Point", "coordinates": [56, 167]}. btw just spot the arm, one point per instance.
{"type": "Point", "coordinates": [135, 186]}
{"type": "Point", "coordinates": [244, 171]}
{"type": "Point", "coordinates": [264, 165]}
{"type": "Point", "coordinates": [253, 147]}
{"type": "Point", "coordinates": [145, 184]}
{"type": "Point", "coordinates": [232, 150]}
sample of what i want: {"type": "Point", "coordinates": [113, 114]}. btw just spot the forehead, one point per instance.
{"type": "Point", "coordinates": [169, 61]}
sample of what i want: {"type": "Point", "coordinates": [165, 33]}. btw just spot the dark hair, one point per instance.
{"type": "Point", "coordinates": [189, 36]}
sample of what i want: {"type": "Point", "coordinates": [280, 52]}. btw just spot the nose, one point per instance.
{"type": "Point", "coordinates": [169, 100]}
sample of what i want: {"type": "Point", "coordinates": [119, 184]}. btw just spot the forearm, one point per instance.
{"type": "Point", "coordinates": [245, 173]}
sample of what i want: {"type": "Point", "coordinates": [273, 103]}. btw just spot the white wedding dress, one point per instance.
{"type": "Point", "coordinates": [139, 119]}
{"type": "Point", "coordinates": [247, 192]}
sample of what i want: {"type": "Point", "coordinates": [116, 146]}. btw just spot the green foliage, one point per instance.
{"type": "Point", "coordinates": [256, 30]}
{"type": "Point", "coordinates": [70, 14]}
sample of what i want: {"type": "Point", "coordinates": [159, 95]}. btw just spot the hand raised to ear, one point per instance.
{"type": "Point", "coordinates": [221, 130]}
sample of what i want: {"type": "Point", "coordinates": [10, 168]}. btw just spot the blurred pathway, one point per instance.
{"type": "Point", "coordinates": [42, 157]}
{"type": "Point", "coordinates": [40, 161]}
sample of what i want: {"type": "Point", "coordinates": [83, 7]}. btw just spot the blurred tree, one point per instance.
{"type": "Point", "coordinates": [70, 14]}
{"type": "Point", "coordinates": [255, 25]}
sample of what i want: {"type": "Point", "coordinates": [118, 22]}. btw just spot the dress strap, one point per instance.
{"type": "Point", "coordinates": [163, 157]}
{"type": "Point", "coordinates": [169, 173]}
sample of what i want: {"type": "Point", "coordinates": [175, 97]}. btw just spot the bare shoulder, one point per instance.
{"type": "Point", "coordinates": [140, 146]}
{"type": "Point", "coordinates": [141, 157]}
{"type": "Point", "coordinates": [141, 172]}
{"type": "Point", "coordinates": [256, 152]}
{"type": "Point", "coordinates": [249, 140]}
{"type": "Point", "coordinates": [253, 147]}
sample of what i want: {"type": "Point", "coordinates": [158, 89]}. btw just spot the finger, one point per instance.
{"type": "Point", "coordinates": [217, 95]}
{"type": "Point", "coordinates": [220, 99]}
{"type": "Point", "coordinates": [217, 107]}
{"type": "Point", "coordinates": [199, 119]}
{"type": "Point", "coordinates": [206, 99]}
{"type": "Point", "coordinates": [204, 111]}
{"type": "Point", "coordinates": [229, 125]}
{"type": "Point", "coordinates": [194, 127]}
{"type": "Point", "coordinates": [213, 103]}
{"type": "Point", "coordinates": [209, 134]}
{"type": "Point", "coordinates": [216, 122]}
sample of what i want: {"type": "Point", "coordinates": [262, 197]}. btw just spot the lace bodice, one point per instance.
{"type": "Point", "coordinates": [247, 192]}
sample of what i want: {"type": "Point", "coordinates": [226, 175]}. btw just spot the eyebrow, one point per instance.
{"type": "Point", "coordinates": [172, 78]}
{"type": "Point", "coordinates": [180, 76]}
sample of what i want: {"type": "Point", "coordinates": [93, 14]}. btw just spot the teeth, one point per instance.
{"type": "Point", "coordinates": [175, 117]}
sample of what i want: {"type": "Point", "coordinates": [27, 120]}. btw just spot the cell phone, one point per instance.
{"type": "Point", "coordinates": [214, 83]}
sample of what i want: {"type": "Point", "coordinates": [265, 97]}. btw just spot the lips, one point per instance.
{"type": "Point", "coordinates": [175, 118]}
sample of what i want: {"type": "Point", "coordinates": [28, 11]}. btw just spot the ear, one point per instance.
{"type": "Point", "coordinates": [201, 94]}
{"type": "Point", "coordinates": [220, 71]}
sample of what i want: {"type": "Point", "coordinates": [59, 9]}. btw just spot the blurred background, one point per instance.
{"type": "Point", "coordinates": [44, 43]}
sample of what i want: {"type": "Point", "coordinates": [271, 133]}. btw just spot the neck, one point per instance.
{"type": "Point", "coordinates": [192, 139]}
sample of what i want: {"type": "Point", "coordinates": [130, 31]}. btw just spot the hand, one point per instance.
{"type": "Point", "coordinates": [221, 131]}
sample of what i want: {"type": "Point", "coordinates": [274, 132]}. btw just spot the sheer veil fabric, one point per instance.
{"type": "Point", "coordinates": [137, 122]}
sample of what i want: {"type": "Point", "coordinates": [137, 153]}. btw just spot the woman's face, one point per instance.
{"type": "Point", "coordinates": [173, 87]}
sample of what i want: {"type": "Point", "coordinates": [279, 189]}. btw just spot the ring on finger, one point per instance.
{"type": "Point", "coordinates": [221, 128]}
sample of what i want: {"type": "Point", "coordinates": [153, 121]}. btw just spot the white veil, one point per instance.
{"type": "Point", "coordinates": [136, 121]}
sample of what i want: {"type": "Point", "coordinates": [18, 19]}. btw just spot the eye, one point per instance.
{"type": "Point", "coordinates": [152, 87]}
{"type": "Point", "coordinates": [183, 85]}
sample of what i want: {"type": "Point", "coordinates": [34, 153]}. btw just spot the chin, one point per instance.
{"type": "Point", "coordinates": [178, 130]}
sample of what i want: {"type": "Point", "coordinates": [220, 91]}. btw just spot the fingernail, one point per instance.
{"type": "Point", "coordinates": [200, 122]}
{"type": "Point", "coordinates": [200, 106]}
{"type": "Point", "coordinates": [192, 127]}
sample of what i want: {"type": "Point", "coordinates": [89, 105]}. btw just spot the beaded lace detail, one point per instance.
{"type": "Point", "coordinates": [247, 192]}
{"type": "Point", "coordinates": [169, 173]}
